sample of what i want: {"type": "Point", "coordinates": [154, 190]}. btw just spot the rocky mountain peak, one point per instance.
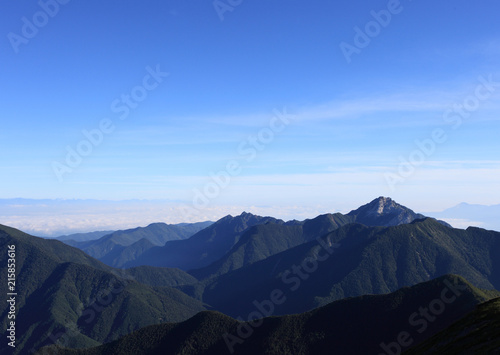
{"type": "Point", "coordinates": [384, 211]}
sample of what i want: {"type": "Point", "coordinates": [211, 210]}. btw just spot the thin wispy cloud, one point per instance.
{"type": "Point", "coordinates": [350, 123]}
{"type": "Point", "coordinates": [423, 101]}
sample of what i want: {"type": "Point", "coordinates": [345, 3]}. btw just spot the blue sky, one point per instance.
{"type": "Point", "coordinates": [350, 120]}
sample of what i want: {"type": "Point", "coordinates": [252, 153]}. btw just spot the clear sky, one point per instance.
{"type": "Point", "coordinates": [290, 104]}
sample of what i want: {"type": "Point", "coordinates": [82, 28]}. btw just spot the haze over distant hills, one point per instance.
{"type": "Point", "coordinates": [53, 218]}
{"type": "Point", "coordinates": [84, 237]}
{"type": "Point", "coordinates": [60, 217]}
{"type": "Point", "coordinates": [464, 215]}
{"type": "Point", "coordinates": [119, 247]}
{"type": "Point", "coordinates": [209, 245]}
{"type": "Point", "coordinates": [246, 264]}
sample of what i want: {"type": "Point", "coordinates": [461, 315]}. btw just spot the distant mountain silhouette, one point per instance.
{"type": "Point", "coordinates": [82, 237]}
{"type": "Point", "coordinates": [120, 247]}
{"type": "Point", "coordinates": [233, 242]}
{"type": "Point", "coordinates": [203, 248]}
{"type": "Point", "coordinates": [472, 215]}
{"type": "Point", "coordinates": [235, 264]}
{"type": "Point", "coordinates": [264, 240]}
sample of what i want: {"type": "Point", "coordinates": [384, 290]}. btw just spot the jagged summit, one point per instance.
{"type": "Point", "coordinates": [382, 205]}
{"type": "Point", "coordinates": [384, 211]}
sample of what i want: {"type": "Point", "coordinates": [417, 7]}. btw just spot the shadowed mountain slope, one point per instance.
{"type": "Point", "coordinates": [203, 248]}
{"type": "Point", "coordinates": [65, 295]}
{"type": "Point", "coordinates": [477, 333]}
{"type": "Point", "coordinates": [232, 242]}
{"type": "Point", "coordinates": [361, 325]}
{"type": "Point", "coordinates": [355, 260]}
{"type": "Point", "coordinates": [120, 247]}
{"type": "Point", "coordinates": [261, 241]}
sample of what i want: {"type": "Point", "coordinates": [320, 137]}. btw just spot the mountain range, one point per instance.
{"type": "Point", "coordinates": [263, 241]}
{"type": "Point", "coordinates": [361, 325]}
{"type": "Point", "coordinates": [310, 279]}
{"type": "Point", "coordinates": [156, 245]}
{"type": "Point", "coordinates": [356, 260]}
{"type": "Point", "coordinates": [201, 249]}
{"type": "Point", "coordinates": [82, 237]}
{"type": "Point", "coordinates": [119, 247]}
{"type": "Point", "coordinates": [61, 288]}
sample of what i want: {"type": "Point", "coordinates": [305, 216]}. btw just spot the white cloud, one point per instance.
{"type": "Point", "coordinates": [462, 223]}
{"type": "Point", "coordinates": [60, 218]}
